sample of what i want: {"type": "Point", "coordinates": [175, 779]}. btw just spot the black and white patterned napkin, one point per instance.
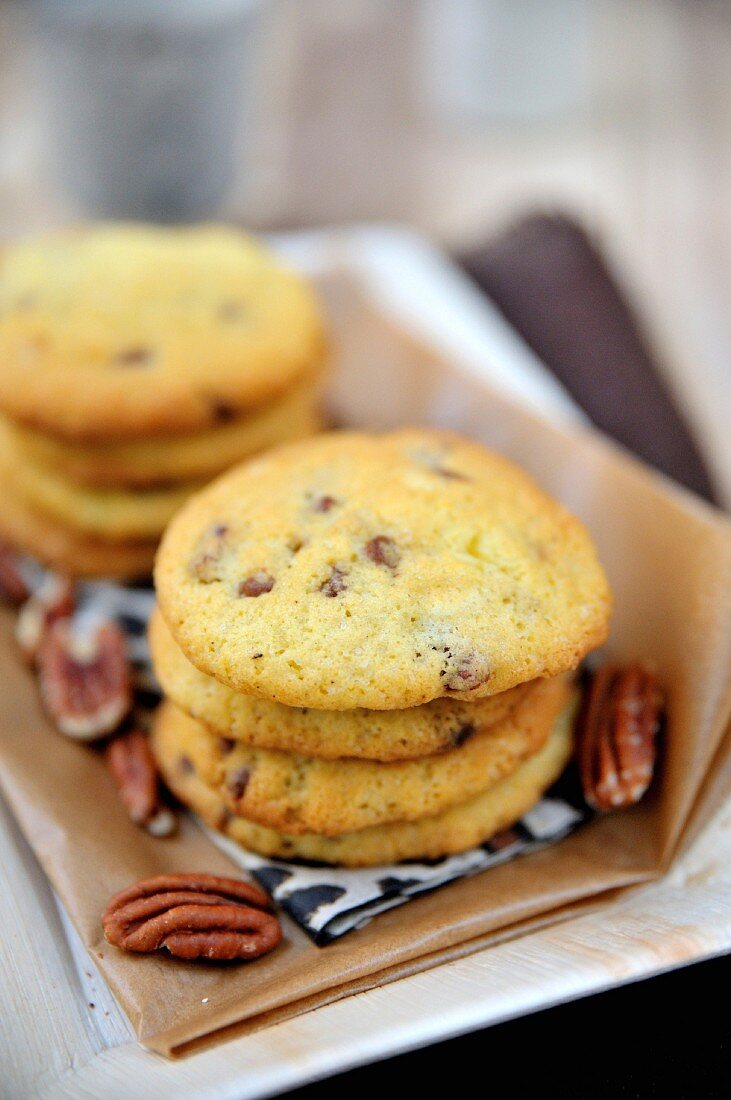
{"type": "Point", "coordinates": [326, 901]}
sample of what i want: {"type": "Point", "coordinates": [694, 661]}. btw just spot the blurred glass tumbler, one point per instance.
{"type": "Point", "coordinates": [144, 101]}
{"type": "Point", "coordinates": [506, 60]}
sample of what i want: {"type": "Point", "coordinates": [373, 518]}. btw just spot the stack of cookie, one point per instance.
{"type": "Point", "coordinates": [136, 363]}
{"type": "Point", "coordinates": [364, 642]}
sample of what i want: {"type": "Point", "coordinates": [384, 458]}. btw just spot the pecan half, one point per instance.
{"type": "Point", "coordinates": [616, 736]}
{"type": "Point", "coordinates": [54, 599]}
{"type": "Point", "coordinates": [130, 760]}
{"type": "Point", "coordinates": [84, 677]}
{"type": "Point", "coordinates": [13, 587]}
{"type": "Point", "coordinates": [193, 916]}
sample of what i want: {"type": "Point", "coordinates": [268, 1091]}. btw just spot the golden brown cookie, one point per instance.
{"type": "Point", "coordinates": [370, 734]}
{"type": "Point", "coordinates": [128, 331]}
{"type": "Point", "coordinates": [106, 515]}
{"type": "Point", "coordinates": [454, 830]}
{"type": "Point", "coordinates": [380, 571]}
{"type": "Point", "coordinates": [298, 794]}
{"type": "Point", "coordinates": [68, 551]}
{"type": "Point", "coordinates": [162, 460]}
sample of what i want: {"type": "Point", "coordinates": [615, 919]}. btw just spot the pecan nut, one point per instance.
{"type": "Point", "coordinates": [465, 671]}
{"type": "Point", "coordinates": [617, 736]}
{"type": "Point", "coordinates": [84, 677]}
{"type": "Point", "coordinates": [130, 760]}
{"type": "Point", "coordinates": [206, 563]}
{"type": "Point", "coordinates": [14, 588]}
{"type": "Point", "coordinates": [193, 916]}
{"type": "Point", "coordinates": [55, 598]}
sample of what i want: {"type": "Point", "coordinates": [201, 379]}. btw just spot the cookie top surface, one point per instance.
{"type": "Point", "coordinates": [382, 735]}
{"type": "Point", "coordinates": [379, 571]}
{"type": "Point", "coordinates": [125, 331]}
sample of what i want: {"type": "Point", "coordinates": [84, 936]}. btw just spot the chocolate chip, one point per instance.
{"type": "Point", "coordinates": [222, 412]}
{"type": "Point", "coordinates": [239, 782]}
{"type": "Point", "coordinates": [133, 357]}
{"type": "Point", "coordinates": [224, 818]}
{"type": "Point", "coordinates": [226, 745]}
{"type": "Point", "coordinates": [335, 583]}
{"type": "Point", "coordinates": [256, 656]}
{"type": "Point", "coordinates": [459, 736]}
{"type": "Point", "coordinates": [324, 504]}
{"type": "Point", "coordinates": [451, 475]}
{"type": "Point", "coordinates": [383, 551]}
{"type": "Point", "coordinates": [257, 584]}
{"type": "Point", "coordinates": [465, 672]}
{"type": "Point", "coordinates": [185, 765]}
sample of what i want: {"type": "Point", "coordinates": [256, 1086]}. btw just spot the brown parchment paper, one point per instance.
{"type": "Point", "coordinates": [669, 560]}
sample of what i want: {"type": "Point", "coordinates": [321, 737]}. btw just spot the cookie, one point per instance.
{"type": "Point", "coordinates": [68, 551]}
{"type": "Point", "coordinates": [370, 734]}
{"type": "Point", "coordinates": [159, 461]}
{"type": "Point", "coordinates": [298, 794]}
{"type": "Point", "coordinates": [128, 331]}
{"type": "Point", "coordinates": [380, 571]}
{"type": "Point", "coordinates": [108, 515]}
{"type": "Point", "coordinates": [455, 830]}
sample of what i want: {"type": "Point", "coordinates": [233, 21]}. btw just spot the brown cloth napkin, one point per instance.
{"type": "Point", "coordinates": [554, 287]}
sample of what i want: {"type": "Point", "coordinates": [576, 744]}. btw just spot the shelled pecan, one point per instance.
{"type": "Point", "coordinates": [193, 916]}
{"type": "Point", "coordinates": [84, 677]}
{"type": "Point", "coordinates": [617, 734]}
{"type": "Point", "coordinates": [53, 599]}
{"type": "Point", "coordinates": [130, 760]}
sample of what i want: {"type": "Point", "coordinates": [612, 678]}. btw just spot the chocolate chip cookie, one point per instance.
{"type": "Point", "coordinates": [454, 830]}
{"type": "Point", "coordinates": [119, 332]}
{"type": "Point", "coordinates": [380, 571]}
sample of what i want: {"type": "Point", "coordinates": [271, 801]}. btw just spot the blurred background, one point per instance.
{"type": "Point", "coordinates": [454, 116]}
